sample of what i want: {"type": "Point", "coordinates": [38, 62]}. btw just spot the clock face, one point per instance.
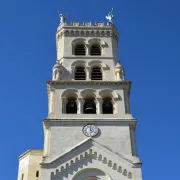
{"type": "Point", "coordinates": [90, 130]}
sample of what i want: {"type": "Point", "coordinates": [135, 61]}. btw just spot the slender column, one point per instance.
{"type": "Point", "coordinates": [73, 72]}
{"type": "Point", "coordinates": [87, 50]}
{"type": "Point", "coordinates": [51, 101]}
{"type": "Point", "coordinates": [118, 76]}
{"type": "Point", "coordinates": [99, 103]}
{"type": "Point", "coordinates": [87, 73]}
{"type": "Point", "coordinates": [80, 104]}
{"type": "Point", "coordinates": [64, 101]}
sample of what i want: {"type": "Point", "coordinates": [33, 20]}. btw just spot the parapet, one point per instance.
{"type": "Point", "coordinates": [86, 24]}
{"type": "Point", "coordinates": [86, 29]}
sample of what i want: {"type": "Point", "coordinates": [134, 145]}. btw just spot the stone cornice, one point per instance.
{"type": "Point", "coordinates": [73, 82]}
{"type": "Point", "coordinates": [92, 120]}
{"type": "Point", "coordinates": [81, 122]}
{"type": "Point", "coordinates": [87, 30]}
{"type": "Point", "coordinates": [87, 25]}
{"type": "Point", "coordinates": [49, 82]}
{"type": "Point", "coordinates": [113, 160]}
{"type": "Point", "coordinates": [87, 57]}
{"type": "Point", "coordinates": [31, 152]}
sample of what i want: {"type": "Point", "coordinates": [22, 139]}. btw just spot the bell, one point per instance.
{"type": "Point", "coordinates": [89, 108]}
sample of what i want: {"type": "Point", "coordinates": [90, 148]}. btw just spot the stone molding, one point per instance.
{"type": "Point", "coordinates": [89, 82]}
{"type": "Point", "coordinates": [95, 155]}
{"type": "Point", "coordinates": [80, 122]}
{"type": "Point", "coordinates": [87, 33]}
{"type": "Point", "coordinates": [87, 29]}
{"type": "Point", "coordinates": [31, 152]}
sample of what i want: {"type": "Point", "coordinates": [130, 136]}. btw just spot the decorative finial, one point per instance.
{"type": "Point", "coordinates": [62, 17]}
{"type": "Point", "coordinates": [110, 16]}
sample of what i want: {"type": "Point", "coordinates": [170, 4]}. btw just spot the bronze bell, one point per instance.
{"type": "Point", "coordinates": [90, 108]}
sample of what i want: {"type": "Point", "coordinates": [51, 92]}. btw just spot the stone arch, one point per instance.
{"type": "Point", "coordinates": [78, 63]}
{"type": "Point", "coordinates": [68, 96]}
{"type": "Point", "coordinates": [88, 92]}
{"type": "Point", "coordinates": [109, 98]}
{"type": "Point", "coordinates": [97, 63]}
{"type": "Point", "coordinates": [96, 41]}
{"type": "Point", "coordinates": [91, 174]}
{"type": "Point", "coordinates": [109, 92]}
{"type": "Point", "coordinates": [70, 93]}
{"type": "Point", "coordinates": [79, 41]}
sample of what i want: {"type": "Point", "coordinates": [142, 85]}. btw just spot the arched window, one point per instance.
{"type": "Point", "coordinates": [91, 178]}
{"type": "Point", "coordinates": [71, 106]}
{"type": "Point", "coordinates": [37, 173]}
{"type": "Point", "coordinates": [80, 73]}
{"type": "Point", "coordinates": [107, 106]}
{"type": "Point", "coordinates": [89, 106]}
{"type": "Point", "coordinates": [22, 177]}
{"type": "Point", "coordinates": [80, 50]}
{"type": "Point", "coordinates": [96, 73]}
{"type": "Point", "coordinates": [95, 50]}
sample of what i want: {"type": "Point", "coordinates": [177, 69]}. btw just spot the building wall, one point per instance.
{"type": "Point", "coordinates": [75, 163]}
{"type": "Point", "coordinates": [120, 104]}
{"type": "Point", "coordinates": [29, 164]}
{"type": "Point", "coordinates": [114, 136]}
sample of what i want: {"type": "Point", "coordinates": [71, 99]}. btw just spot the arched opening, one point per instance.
{"type": "Point", "coordinates": [22, 177]}
{"type": "Point", "coordinates": [96, 73]}
{"type": "Point", "coordinates": [71, 106]}
{"type": "Point", "coordinates": [80, 50]}
{"type": "Point", "coordinates": [37, 173]}
{"type": "Point", "coordinates": [95, 50]}
{"type": "Point", "coordinates": [80, 73]}
{"type": "Point", "coordinates": [91, 174]}
{"type": "Point", "coordinates": [89, 106]}
{"type": "Point", "coordinates": [92, 178]}
{"type": "Point", "coordinates": [107, 106]}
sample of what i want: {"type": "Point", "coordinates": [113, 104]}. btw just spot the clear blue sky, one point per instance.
{"type": "Point", "coordinates": [148, 49]}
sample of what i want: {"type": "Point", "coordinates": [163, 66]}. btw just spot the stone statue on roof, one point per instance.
{"type": "Point", "coordinates": [110, 16]}
{"type": "Point", "coordinates": [62, 17]}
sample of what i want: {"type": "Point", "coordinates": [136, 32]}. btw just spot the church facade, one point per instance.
{"type": "Point", "coordinates": [89, 133]}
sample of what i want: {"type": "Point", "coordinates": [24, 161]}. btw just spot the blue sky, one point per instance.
{"type": "Point", "coordinates": [148, 49]}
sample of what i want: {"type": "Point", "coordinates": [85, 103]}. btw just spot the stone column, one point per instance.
{"type": "Point", "coordinates": [73, 72]}
{"type": "Point", "coordinates": [99, 103]}
{"type": "Point", "coordinates": [63, 107]}
{"type": "Point", "coordinates": [88, 73]}
{"type": "Point", "coordinates": [51, 100]}
{"type": "Point", "coordinates": [118, 76]}
{"type": "Point", "coordinates": [80, 104]}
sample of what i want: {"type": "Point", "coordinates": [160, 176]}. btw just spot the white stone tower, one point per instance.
{"type": "Point", "coordinates": [89, 131]}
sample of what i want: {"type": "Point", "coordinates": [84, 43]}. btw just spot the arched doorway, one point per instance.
{"type": "Point", "coordinates": [91, 174]}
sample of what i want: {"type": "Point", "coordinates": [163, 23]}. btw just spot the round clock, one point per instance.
{"type": "Point", "coordinates": [90, 130]}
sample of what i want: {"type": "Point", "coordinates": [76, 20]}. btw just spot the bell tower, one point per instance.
{"type": "Point", "coordinates": [89, 133]}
